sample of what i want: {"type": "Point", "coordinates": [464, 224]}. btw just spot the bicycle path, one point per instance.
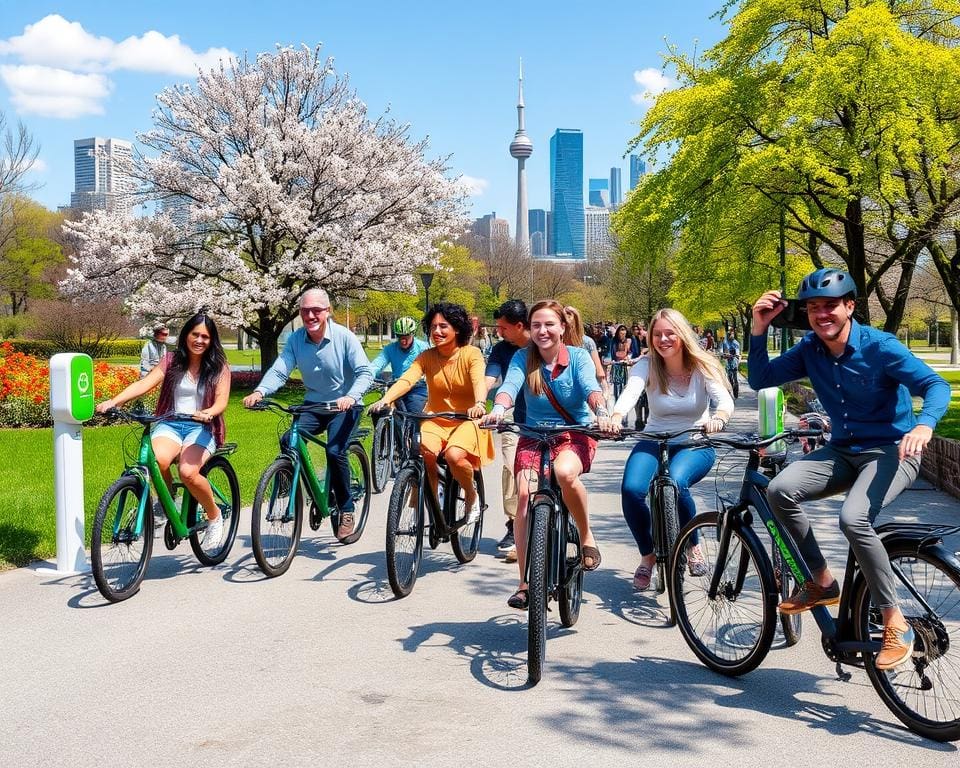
{"type": "Point", "coordinates": [322, 666]}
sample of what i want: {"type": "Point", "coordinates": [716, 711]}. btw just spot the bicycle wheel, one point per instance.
{"type": "Point", "coordinates": [731, 633]}
{"type": "Point", "coordinates": [118, 552]}
{"type": "Point", "coordinates": [380, 454]}
{"type": "Point", "coordinates": [924, 693]}
{"type": "Point", "coordinates": [666, 526]}
{"type": "Point", "coordinates": [226, 493]}
{"type": "Point", "coordinates": [570, 592]}
{"type": "Point", "coordinates": [792, 626]}
{"type": "Point", "coordinates": [466, 540]}
{"type": "Point", "coordinates": [404, 532]}
{"type": "Point", "coordinates": [539, 519]}
{"type": "Point", "coordinates": [277, 518]}
{"type": "Point", "coordinates": [359, 491]}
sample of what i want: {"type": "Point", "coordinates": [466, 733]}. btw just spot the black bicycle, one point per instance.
{"type": "Point", "coordinates": [664, 495]}
{"type": "Point", "coordinates": [728, 615]}
{"type": "Point", "coordinates": [277, 515]}
{"type": "Point", "coordinates": [413, 500]}
{"type": "Point", "coordinates": [732, 365]}
{"type": "Point", "coordinates": [554, 567]}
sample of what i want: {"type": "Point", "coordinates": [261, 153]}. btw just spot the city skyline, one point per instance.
{"type": "Point", "coordinates": [94, 70]}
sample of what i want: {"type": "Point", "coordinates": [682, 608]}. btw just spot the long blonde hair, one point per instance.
{"type": "Point", "coordinates": [573, 336]}
{"type": "Point", "coordinates": [695, 358]}
{"type": "Point", "coordinates": [534, 358]}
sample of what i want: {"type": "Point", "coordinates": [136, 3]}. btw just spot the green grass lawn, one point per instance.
{"type": "Point", "coordinates": [27, 511]}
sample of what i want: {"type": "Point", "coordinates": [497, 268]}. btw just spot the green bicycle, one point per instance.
{"type": "Point", "coordinates": [278, 501]}
{"type": "Point", "coordinates": [122, 539]}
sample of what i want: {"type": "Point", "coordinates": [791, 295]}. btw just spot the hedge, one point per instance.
{"type": "Point", "coordinates": [45, 349]}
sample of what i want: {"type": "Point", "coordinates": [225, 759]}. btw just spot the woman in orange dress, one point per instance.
{"type": "Point", "coordinates": [454, 371]}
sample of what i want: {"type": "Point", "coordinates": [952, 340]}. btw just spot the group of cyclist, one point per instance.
{"type": "Point", "coordinates": [549, 370]}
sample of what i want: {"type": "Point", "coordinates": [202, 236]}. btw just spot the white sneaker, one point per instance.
{"type": "Point", "coordinates": [474, 515]}
{"type": "Point", "coordinates": [211, 539]}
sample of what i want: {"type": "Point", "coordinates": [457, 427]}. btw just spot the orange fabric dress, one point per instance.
{"type": "Point", "coordinates": [453, 384]}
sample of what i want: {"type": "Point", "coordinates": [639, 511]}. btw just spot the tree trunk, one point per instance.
{"type": "Point", "coordinates": [954, 338]}
{"type": "Point", "coordinates": [857, 255]}
{"type": "Point", "coordinates": [894, 317]}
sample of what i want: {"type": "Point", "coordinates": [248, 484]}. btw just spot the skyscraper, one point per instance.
{"type": "Point", "coordinates": [490, 229]}
{"type": "Point", "coordinates": [102, 174]}
{"type": "Point", "coordinates": [599, 193]}
{"type": "Point", "coordinates": [566, 192]}
{"type": "Point", "coordinates": [521, 148]}
{"type": "Point", "coordinates": [538, 232]}
{"type": "Point", "coordinates": [616, 188]}
{"type": "Point", "coordinates": [596, 225]}
{"type": "Point", "coordinates": [637, 169]}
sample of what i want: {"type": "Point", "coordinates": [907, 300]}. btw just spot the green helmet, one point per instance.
{"type": "Point", "coordinates": [404, 326]}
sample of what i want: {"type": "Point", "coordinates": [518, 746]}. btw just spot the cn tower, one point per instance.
{"type": "Point", "coordinates": [521, 148]}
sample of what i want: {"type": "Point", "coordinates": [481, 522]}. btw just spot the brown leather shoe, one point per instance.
{"type": "Point", "coordinates": [810, 596]}
{"type": "Point", "coordinates": [346, 525]}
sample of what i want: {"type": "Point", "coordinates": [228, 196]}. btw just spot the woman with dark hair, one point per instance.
{"type": "Point", "coordinates": [559, 383]}
{"type": "Point", "coordinates": [198, 384]}
{"type": "Point", "coordinates": [454, 371]}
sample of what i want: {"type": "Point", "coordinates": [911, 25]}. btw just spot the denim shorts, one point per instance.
{"type": "Point", "coordinates": [185, 433]}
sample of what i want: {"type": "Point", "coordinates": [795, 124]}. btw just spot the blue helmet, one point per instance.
{"type": "Point", "coordinates": [826, 283]}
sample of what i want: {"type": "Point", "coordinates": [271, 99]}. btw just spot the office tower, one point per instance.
{"type": "Point", "coordinates": [521, 148]}
{"type": "Point", "coordinates": [616, 189]}
{"type": "Point", "coordinates": [490, 229]}
{"type": "Point", "coordinates": [599, 193]}
{"type": "Point", "coordinates": [596, 224]}
{"type": "Point", "coordinates": [637, 169]}
{"type": "Point", "coordinates": [566, 193]}
{"type": "Point", "coordinates": [537, 219]}
{"type": "Point", "coordinates": [102, 174]}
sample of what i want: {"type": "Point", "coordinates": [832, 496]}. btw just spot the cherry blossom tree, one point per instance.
{"type": "Point", "coordinates": [270, 178]}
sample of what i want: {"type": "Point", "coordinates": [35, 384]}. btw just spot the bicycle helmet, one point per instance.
{"type": "Point", "coordinates": [404, 326]}
{"type": "Point", "coordinates": [826, 283]}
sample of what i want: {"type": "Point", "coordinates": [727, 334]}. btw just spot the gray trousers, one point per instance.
{"type": "Point", "coordinates": [872, 478]}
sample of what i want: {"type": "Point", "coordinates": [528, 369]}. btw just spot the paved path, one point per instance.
{"type": "Point", "coordinates": [322, 667]}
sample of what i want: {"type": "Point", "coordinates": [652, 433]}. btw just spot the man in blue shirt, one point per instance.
{"type": "Point", "coordinates": [399, 355]}
{"type": "Point", "coordinates": [864, 379]}
{"type": "Point", "coordinates": [511, 317]}
{"type": "Point", "coordinates": [730, 350]}
{"type": "Point", "coordinates": [335, 370]}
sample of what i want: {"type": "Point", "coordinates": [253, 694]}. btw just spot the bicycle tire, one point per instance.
{"type": "Point", "coordinates": [570, 596]}
{"type": "Point", "coordinates": [666, 527]}
{"type": "Point", "coordinates": [537, 586]}
{"type": "Point", "coordinates": [224, 480]}
{"type": "Point", "coordinates": [466, 540]}
{"type": "Point", "coordinates": [116, 573]}
{"type": "Point", "coordinates": [360, 492]}
{"type": "Point", "coordinates": [380, 454]}
{"type": "Point", "coordinates": [790, 625]}
{"type": "Point", "coordinates": [923, 693]}
{"type": "Point", "coordinates": [733, 633]}
{"type": "Point", "coordinates": [404, 544]}
{"type": "Point", "coordinates": [274, 529]}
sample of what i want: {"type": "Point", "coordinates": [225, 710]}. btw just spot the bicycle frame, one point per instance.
{"type": "Point", "coordinates": [548, 491]}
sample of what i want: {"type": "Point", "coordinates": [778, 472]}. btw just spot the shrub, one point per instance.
{"type": "Point", "coordinates": [79, 326]}
{"type": "Point", "coordinates": [13, 326]}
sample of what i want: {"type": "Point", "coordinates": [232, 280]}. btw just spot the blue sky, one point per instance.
{"type": "Point", "coordinates": [449, 69]}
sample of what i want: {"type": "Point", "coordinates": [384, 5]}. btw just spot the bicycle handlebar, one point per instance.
{"type": "Point", "coordinates": [544, 432]}
{"type": "Point", "coordinates": [145, 418]}
{"type": "Point", "coordinates": [748, 442]}
{"type": "Point", "coordinates": [267, 404]}
{"type": "Point", "coordinates": [660, 437]}
{"type": "Point", "coordinates": [423, 416]}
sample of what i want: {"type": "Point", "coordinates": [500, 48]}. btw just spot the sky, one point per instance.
{"type": "Point", "coordinates": [72, 70]}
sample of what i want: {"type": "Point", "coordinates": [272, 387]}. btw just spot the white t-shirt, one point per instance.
{"type": "Point", "coordinates": [187, 395]}
{"type": "Point", "coordinates": [673, 410]}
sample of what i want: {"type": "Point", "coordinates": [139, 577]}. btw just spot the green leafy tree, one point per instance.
{"type": "Point", "coordinates": [28, 251]}
{"type": "Point", "coordinates": [834, 114]}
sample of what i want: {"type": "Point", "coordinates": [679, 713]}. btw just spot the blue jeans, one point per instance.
{"type": "Point", "coordinates": [687, 466]}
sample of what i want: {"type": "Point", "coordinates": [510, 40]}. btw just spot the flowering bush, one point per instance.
{"type": "Point", "coordinates": [25, 387]}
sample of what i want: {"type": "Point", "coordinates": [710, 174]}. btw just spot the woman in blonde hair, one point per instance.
{"type": "Point", "coordinates": [680, 380]}
{"type": "Point", "coordinates": [559, 384]}
{"type": "Point", "coordinates": [575, 337]}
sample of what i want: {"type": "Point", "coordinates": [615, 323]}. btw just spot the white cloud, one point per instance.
{"type": "Point", "coordinates": [75, 59]}
{"type": "Point", "coordinates": [473, 186]}
{"type": "Point", "coordinates": [39, 166]}
{"type": "Point", "coordinates": [652, 82]}
{"type": "Point", "coordinates": [52, 92]}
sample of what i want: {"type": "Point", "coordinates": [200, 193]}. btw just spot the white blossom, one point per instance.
{"type": "Point", "coordinates": [280, 181]}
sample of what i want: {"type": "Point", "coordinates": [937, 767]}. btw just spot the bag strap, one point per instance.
{"type": "Point", "coordinates": [556, 405]}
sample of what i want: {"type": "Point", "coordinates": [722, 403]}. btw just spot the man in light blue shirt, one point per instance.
{"type": "Point", "coordinates": [399, 355]}
{"type": "Point", "coordinates": [865, 379]}
{"type": "Point", "coordinates": [335, 370]}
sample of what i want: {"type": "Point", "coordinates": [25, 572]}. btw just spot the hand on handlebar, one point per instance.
{"type": "Point", "coordinates": [378, 406]}
{"type": "Point", "coordinates": [477, 411]}
{"type": "Point", "coordinates": [610, 424]}
{"type": "Point", "coordinates": [713, 425]}
{"type": "Point", "coordinates": [252, 399]}
{"type": "Point", "coordinates": [105, 406]}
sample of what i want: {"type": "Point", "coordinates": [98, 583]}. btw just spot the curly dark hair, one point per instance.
{"type": "Point", "coordinates": [456, 315]}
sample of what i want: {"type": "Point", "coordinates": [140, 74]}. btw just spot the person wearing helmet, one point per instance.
{"type": "Point", "coordinates": [399, 355]}
{"type": "Point", "coordinates": [865, 379]}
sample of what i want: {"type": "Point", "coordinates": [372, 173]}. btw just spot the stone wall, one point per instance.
{"type": "Point", "coordinates": [941, 464]}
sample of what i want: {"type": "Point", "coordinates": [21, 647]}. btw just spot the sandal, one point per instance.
{"type": "Point", "coordinates": [519, 599]}
{"type": "Point", "coordinates": [594, 554]}
{"type": "Point", "coordinates": [641, 578]}
{"type": "Point", "coordinates": [695, 562]}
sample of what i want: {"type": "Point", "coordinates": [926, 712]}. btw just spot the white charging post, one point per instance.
{"type": "Point", "coordinates": [770, 410]}
{"type": "Point", "coordinates": [71, 404]}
